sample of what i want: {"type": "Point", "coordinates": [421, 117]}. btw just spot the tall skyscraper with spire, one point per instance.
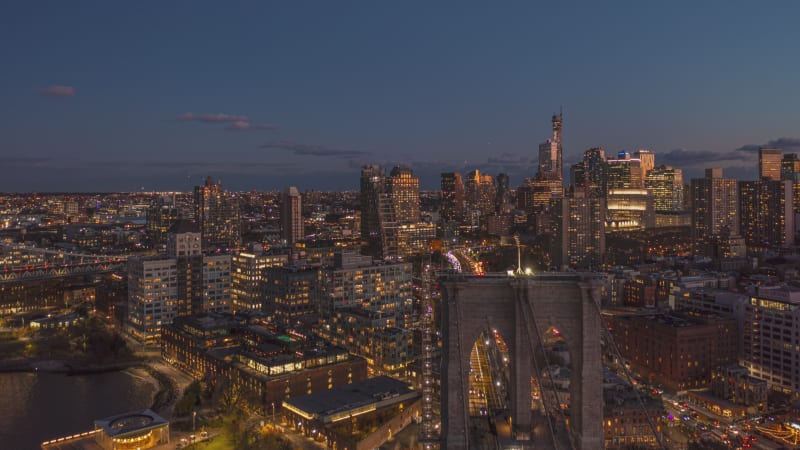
{"type": "Point", "coordinates": [548, 184]}
{"type": "Point", "coordinates": [550, 161]}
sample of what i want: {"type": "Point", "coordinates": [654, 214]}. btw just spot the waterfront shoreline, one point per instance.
{"type": "Point", "coordinates": [167, 393]}
{"type": "Point", "coordinates": [66, 366]}
{"type": "Point", "coordinates": [166, 388]}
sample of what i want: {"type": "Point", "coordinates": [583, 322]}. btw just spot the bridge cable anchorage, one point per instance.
{"type": "Point", "coordinates": [610, 340]}
{"type": "Point", "coordinates": [528, 313]}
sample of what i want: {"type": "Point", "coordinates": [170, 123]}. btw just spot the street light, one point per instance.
{"type": "Point", "coordinates": [273, 412]}
{"type": "Point", "coordinates": [194, 416]}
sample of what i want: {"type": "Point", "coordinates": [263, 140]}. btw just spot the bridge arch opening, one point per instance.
{"type": "Point", "coordinates": [524, 311]}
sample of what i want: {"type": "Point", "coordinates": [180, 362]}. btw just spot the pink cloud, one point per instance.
{"type": "Point", "coordinates": [211, 118]}
{"type": "Point", "coordinates": [243, 125]}
{"type": "Point", "coordinates": [58, 91]}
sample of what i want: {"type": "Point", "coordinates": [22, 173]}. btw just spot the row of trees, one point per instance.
{"type": "Point", "coordinates": [229, 402]}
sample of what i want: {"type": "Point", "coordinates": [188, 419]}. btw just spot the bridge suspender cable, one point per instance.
{"type": "Point", "coordinates": [613, 344]}
{"type": "Point", "coordinates": [526, 308]}
{"type": "Point", "coordinates": [537, 374]}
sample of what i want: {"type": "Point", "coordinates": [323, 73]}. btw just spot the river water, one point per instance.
{"type": "Point", "coordinates": [38, 407]}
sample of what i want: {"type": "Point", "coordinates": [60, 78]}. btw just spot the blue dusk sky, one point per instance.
{"type": "Point", "coordinates": [122, 96]}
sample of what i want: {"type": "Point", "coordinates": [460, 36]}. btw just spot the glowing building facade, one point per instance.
{"type": "Point", "coordinates": [715, 208]}
{"type": "Point", "coordinates": [666, 183]}
{"type": "Point", "coordinates": [404, 190]}
{"type": "Point", "coordinates": [771, 342]}
{"type": "Point", "coordinates": [291, 216]}
{"type": "Point", "coordinates": [217, 215]}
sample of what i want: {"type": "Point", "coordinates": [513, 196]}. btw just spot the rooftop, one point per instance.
{"type": "Point", "coordinates": [130, 422]}
{"type": "Point", "coordinates": [183, 226]}
{"type": "Point", "coordinates": [350, 396]}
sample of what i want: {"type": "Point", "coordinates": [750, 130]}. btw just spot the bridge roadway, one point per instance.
{"type": "Point", "coordinates": [38, 273]}
{"type": "Point", "coordinates": [70, 264]}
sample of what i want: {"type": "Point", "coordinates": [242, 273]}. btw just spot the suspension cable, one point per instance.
{"type": "Point", "coordinates": [529, 318]}
{"type": "Point", "coordinates": [537, 373]}
{"type": "Point", "coordinates": [610, 340]}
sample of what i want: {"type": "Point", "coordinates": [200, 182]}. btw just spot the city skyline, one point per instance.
{"type": "Point", "coordinates": [123, 97]}
{"type": "Point", "coordinates": [417, 226]}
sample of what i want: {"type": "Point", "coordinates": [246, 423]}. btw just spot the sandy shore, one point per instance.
{"type": "Point", "coordinates": [171, 384]}
{"type": "Point", "coordinates": [142, 374]}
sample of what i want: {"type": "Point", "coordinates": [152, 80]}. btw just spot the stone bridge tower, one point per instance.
{"type": "Point", "coordinates": [516, 306]}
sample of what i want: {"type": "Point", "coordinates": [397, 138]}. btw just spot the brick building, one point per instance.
{"type": "Point", "coordinates": [677, 350]}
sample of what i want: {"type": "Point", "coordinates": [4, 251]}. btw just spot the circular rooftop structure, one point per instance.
{"type": "Point", "coordinates": [130, 422]}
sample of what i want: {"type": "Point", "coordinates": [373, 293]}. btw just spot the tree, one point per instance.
{"type": "Point", "coordinates": [227, 395]}
{"type": "Point", "coordinates": [189, 401]}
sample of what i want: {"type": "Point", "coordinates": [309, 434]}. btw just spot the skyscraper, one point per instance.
{"type": "Point", "coordinates": [452, 208]}
{"type": "Point", "coordinates": [647, 161]}
{"type": "Point", "coordinates": [160, 217]}
{"type": "Point", "coordinates": [291, 216]}
{"type": "Point", "coordinates": [790, 171]}
{"type": "Point", "coordinates": [771, 341]}
{"type": "Point", "coordinates": [550, 152]}
{"type": "Point", "coordinates": [667, 185]}
{"type": "Point", "coordinates": [547, 186]}
{"type": "Point", "coordinates": [367, 309]}
{"type": "Point", "coordinates": [502, 193]}
{"type": "Point", "coordinates": [404, 189]}
{"type": "Point", "coordinates": [715, 208]}
{"type": "Point", "coordinates": [624, 172]}
{"type": "Point", "coordinates": [769, 163]}
{"type": "Point", "coordinates": [184, 245]}
{"type": "Point", "coordinates": [217, 215]}
{"type": "Point", "coordinates": [766, 217]}
{"type": "Point", "coordinates": [248, 287]}
{"type": "Point", "coordinates": [291, 292]}
{"type": "Point", "coordinates": [182, 282]}
{"type": "Point", "coordinates": [590, 174]}
{"type": "Point", "coordinates": [378, 221]}
{"type": "Point", "coordinates": [583, 233]}
{"type": "Point", "coordinates": [480, 192]}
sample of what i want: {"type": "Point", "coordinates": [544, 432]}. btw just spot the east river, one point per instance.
{"type": "Point", "coordinates": [36, 407]}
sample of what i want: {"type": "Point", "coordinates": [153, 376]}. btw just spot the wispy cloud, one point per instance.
{"type": "Point", "coordinates": [785, 143]}
{"type": "Point", "coordinates": [24, 160]}
{"type": "Point", "coordinates": [742, 156]}
{"type": "Point", "coordinates": [212, 118]}
{"type": "Point", "coordinates": [243, 125]}
{"type": "Point", "coordinates": [681, 156]}
{"type": "Point", "coordinates": [167, 166]}
{"type": "Point", "coordinates": [314, 150]}
{"type": "Point", "coordinates": [506, 158]}
{"type": "Point", "coordinates": [57, 90]}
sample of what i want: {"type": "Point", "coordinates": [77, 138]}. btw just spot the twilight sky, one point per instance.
{"type": "Point", "coordinates": [101, 96]}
